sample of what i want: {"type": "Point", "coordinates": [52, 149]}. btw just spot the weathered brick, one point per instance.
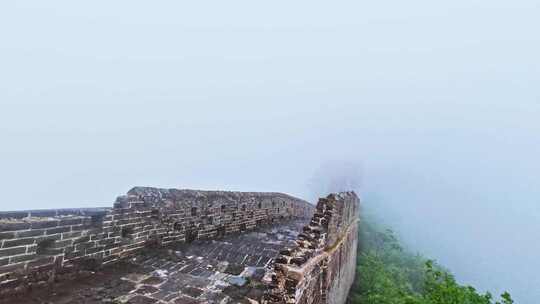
{"type": "Point", "coordinates": [6, 235]}
{"type": "Point", "coordinates": [50, 251]}
{"type": "Point", "coordinates": [115, 234]}
{"type": "Point", "coordinates": [44, 268]}
{"type": "Point", "coordinates": [14, 214]}
{"type": "Point", "coordinates": [31, 248]}
{"type": "Point", "coordinates": [106, 242]}
{"type": "Point", "coordinates": [70, 222]}
{"type": "Point", "coordinates": [15, 269]}
{"type": "Point", "coordinates": [73, 255]}
{"type": "Point", "coordinates": [5, 274]}
{"type": "Point", "coordinates": [62, 244]}
{"type": "Point", "coordinates": [99, 236]}
{"type": "Point", "coordinates": [71, 235]}
{"type": "Point", "coordinates": [111, 246]}
{"type": "Point", "coordinates": [30, 233]}
{"type": "Point", "coordinates": [83, 239]}
{"type": "Point", "coordinates": [83, 246]}
{"type": "Point", "coordinates": [94, 250]}
{"type": "Point", "coordinates": [110, 259]}
{"type": "Point", "coordinates": [4, 261]}
{"type": "Point", "coordinates": [81, 227]}
{"type": "Point", "coordinates": [143, 233]}
{"type": "Point", "coordinates": [44, 213]}
{"type": "Point", "coordinates": [53, 237]}
{"type": "Point", "coordinates": [69, 249]}
{"type": "Point", "coordinates": [12, 251]}
{"type": "Point", "coordinates": [10, 284]}
{"type": "Point", "coordinates": [41, 261]}
{"type": "Point", "coordinates": [58, 230]}
{"type": "Point", "coordinates": [18, 242]}
{"type": "Point", "coordinates": [44, 224]}
{"type": "Point", "coordinates": [97, 255]}
{"type": "Point", "coordinates": [21, 258]}
{"type": "Point", "coordinates": [14, 226]}
{"type": "Point", "coordinates": [93, 231]}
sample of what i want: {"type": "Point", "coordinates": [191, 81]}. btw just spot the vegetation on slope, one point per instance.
{"type": "Point", "coordinates": [388, 274]}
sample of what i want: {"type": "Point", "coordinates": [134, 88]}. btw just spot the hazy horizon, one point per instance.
{"type": "Point", "coordinates": [435, 105]}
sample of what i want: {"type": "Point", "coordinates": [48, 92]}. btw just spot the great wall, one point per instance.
{"type": "Point", "coordinates": [183, 246]}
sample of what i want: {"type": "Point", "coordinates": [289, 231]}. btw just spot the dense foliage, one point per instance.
{"type": "Point", "coordinates": [388, 274]}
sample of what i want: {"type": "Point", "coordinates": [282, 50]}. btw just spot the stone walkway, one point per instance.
{"type": "Point", "coordinates": [230, 270]}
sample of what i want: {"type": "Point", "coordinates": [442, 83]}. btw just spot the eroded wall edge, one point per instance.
{"type": "Point", "coordinates": [321, 268]}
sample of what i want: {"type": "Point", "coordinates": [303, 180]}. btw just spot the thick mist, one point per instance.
{"type": "Point", "coordinates": [429, 109]}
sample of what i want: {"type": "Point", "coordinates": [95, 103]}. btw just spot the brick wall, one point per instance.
{"type": "Point", "coordinates": [321, 268]}
{"type": "Point", "coordinates": [40, 247]}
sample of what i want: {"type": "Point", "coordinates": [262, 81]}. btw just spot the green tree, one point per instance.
{"type": "Point", "coordinates": [388, 274]}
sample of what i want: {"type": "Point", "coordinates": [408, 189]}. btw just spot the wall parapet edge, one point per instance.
{"type": "Point", "coordinates": [320, 269]}
{"type": "Point", "coordinates": [41, 247]}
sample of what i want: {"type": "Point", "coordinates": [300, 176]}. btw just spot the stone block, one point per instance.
{"type": "Point", "coordinates": [18, 242]}
{"type": "Point", "coordinates": [14, 226]}
{"type": "Point", "coordinates": [84, 246]}
{"type": "Point", "coordinates": [22, 258]}
{"type": "Point", "coordinates": [6, 235]}
{"type": "Point", "coordinates": [30, 233]}
{"type": "Point", "coordinates": [58, 230]}
{"type": "Point", "coordinates": [82, 239]}
{"type": "Point", "coordinates": [40, 261]}
{"type": "Point", "coordinates": [71, 235]}
{"type": "Point", "coordinates": [44, 224]}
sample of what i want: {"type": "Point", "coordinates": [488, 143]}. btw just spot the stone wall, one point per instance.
{"type": "Point", "coordinates": [41, 247]}
{"type": "Point", "coordinates": [321, 268]}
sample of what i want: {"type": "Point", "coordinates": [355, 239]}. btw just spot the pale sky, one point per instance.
{"type": "Point", "coordinates": [437, 102]}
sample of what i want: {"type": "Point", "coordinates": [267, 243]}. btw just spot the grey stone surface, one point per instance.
{"type": "Point", "coordinates": [182, 246]}
{"type": "Point", "coordinates": [182, 273]}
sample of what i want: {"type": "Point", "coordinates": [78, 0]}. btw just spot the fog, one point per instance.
{"type": "Point", "coordinates": [430, 109]}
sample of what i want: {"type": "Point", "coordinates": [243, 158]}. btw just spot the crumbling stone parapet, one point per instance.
{"type": "Point", "coordinates": [321, 268]}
